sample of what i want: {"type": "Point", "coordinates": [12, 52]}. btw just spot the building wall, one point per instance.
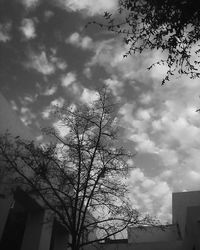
{"type": "Point", "coordinates": [184, 234]}
{"type": "Point", "coordinates": [39, 233]}
{"type": "Point", "coordinates": [180, 202]}
{"type": "Point", "coordinates": [144, 246]}
{"type": "Point", "coordinates": [152, 234]}
{"type": "Point", "coordinates": [192, 229]}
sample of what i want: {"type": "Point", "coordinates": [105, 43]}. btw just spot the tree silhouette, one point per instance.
{"type": "Point", "coordinates": [80, 178]}
{"type": "Point", "coordinates": [171, 26]}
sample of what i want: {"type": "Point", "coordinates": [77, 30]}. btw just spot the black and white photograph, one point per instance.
{"type": "Point", "coordinates": [99, 125]}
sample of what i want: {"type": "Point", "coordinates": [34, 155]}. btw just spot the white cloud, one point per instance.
{"type": "Point", "coordinates": [87, 72]}
{"type": "Point", "coordinates": [75, 89]}
{"type": "Point", "coordinates": [71, 85]}
{"type": "Point", "coordinates": [46, 113]}
{"type": "Point", "coordinates": [29, 4]}
{"type": "Point", "coordinates": [29, 99]}
{"type": "Point", "coordinates": [109, 54]}
{"type": "Point", "coordinates": [150, 195]}
{"type": "Point", "coordinates": [126, 111]}
{"type": "Point", "coordinates": [89, 6]}
{"type": "Point", "coordinates": [61, 64]}
{"type": "Point", "coordinates": [40, 63]}
{"type": "Point", "coordinates": [61, 128]}
{"type": "Point", "coordinates": [115, 86]}
{"type": "Point", "coordinates": [58, 62]}
{"type": "Point", "coordinates": [169, 156]}
{"type": "Point", "coordinates": [145, 98]}
{"type": "Point", "coordinates": [5, 32]}
{"type": "Point", "coordinates": [77, 40]}
{"type": "Point", "coordinates": [59, 102]}
{"type": "Point", "coordinates": [143, 143]}
{"type": "Point", "coordinates": [45, 64]}
{"type": "Point", "coordinates": [50, 91]}
{"type": "Point", "coordinates": [46, 89]}
{"type": "Point", "coordinates": [28, 28]}
{"type": "Point", "coordinates": [27, 116]}
{"type": "Point", "coordinates": [161, 121]}
{"type": "Point", "coordinates": [194, 175]}
{"type": "Point", "coordinates": [88, 96]}
{"type": "Point", "coordinates": [14, 105]}
{"type": "Point", "coordinates": [144, 114]}
{"type": "Point", "coordinates": [48, 14]}
{"type": "Point", "coordinates": [68, 79]}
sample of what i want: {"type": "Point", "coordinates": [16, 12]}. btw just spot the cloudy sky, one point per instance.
{"type": "Point", "coordinates": [48, 57]}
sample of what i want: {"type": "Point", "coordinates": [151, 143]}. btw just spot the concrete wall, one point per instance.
{"type": "Point", "coordinates": [143, 246]}
{"type": "Point", "coordinates": [192, 229]}
{"type": "Point", "coordinates": [180, 203]}
{"type": "Point", "coordinates": [153, 234]}
{"type": "Point", "coordinates": [40, 232]}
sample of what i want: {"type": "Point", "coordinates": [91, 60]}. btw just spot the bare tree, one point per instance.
{"type": "Point", "coordinates": [81, 178]}
{"type": "Point", "coordinates": [172, 26]}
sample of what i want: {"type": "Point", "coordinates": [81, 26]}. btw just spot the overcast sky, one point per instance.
{"type": "Point", "coordinates": [47, 57]}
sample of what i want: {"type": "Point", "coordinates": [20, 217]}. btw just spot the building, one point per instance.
{"type": "Point", "coordinates": [182, 234]}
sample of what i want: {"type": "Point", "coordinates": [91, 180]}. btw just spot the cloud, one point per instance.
{"type": "Point", "coordinates": [56, 103]}
{"type": "Point", "coordinates": [58, 62]}
{"type": "Point", "coordinates": [61, 128]}
{"type": "Point", "coordinates": [40, 63]}
{"type": "Point", "coordinates": [46, 89]}
{"type": "Point", "coordinates": [150, 195]}
{"type": "Point", "coordinates": [45, 64]}
{"type": "Point", "coordinates": [68, 79]}
{"type": "Point", "coordinates": [30, 4]}
{"type": "Point", "coordinates": [145, 98]}
{"type": "Point", "coordinates": [165, 124]}
{"type": "Point", "coordinates": [143, 143]}
{"type": "Point", "coordinates": [115, 86]}
{"type": "Point", "coordinates": [160, 121]}
{"type": "Point", "coordinates": [109, 54]}
{"type": "Point", "coordinates": [28, 28]}
{"type": "Point", "coordinates": [50, 91]}
{"type": "Point", "coordinates": [27, 116]}
{"type": "Point", "coordinates": [14, 105]}
{"type": "Point", "coordinates": [27, 100]}
{"type": "Point", "coordinates": [82, 42]}
{"type": "Point", "coordinates": [59, 102]}
{"type": "Point", "coordinates": [194, 175]}
{"type": "Point", "coordinates": [87, 72]}
{"type": "Point", "coordinates": [48, 14]}
{"type": "Point", "coordinates": [5, 29]}
{"type": "Point", "coordinates": [88, 6]}
{"type": "Point", "coordinates": [88, 96]}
